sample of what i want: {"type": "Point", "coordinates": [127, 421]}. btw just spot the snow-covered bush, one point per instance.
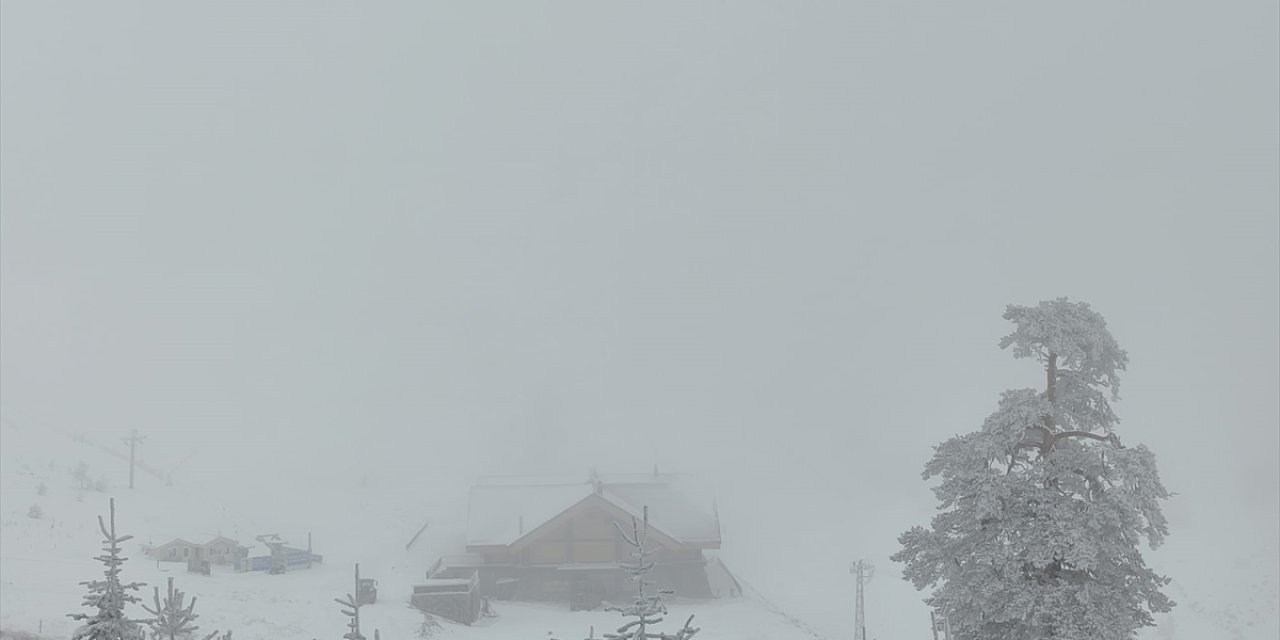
{"type": "Point", "coordinates": [81, 474]}
{"type": "Point", "coordinates": [429, 627]}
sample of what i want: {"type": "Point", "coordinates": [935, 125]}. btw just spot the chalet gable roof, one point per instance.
{"type": "Point", "coordinates": [504, 511]}
{"type": "Point", "coordinates": [177, 542]}
{"type": "Point", "coordinates": [596, 500]}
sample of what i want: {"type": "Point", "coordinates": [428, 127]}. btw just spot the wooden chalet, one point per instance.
{"type": "Point", "coordinates": [219, 550]}
{"type": "Point", "coordinates": [555, 538]}
{"type": "Point", "coordinates": [176, 550]}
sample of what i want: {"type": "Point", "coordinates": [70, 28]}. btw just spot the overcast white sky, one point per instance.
{"type": "Point", "coordinates": [775, 238]}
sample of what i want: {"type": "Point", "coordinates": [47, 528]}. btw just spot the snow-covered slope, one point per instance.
{"type": "Point", "coordinates": [351, 520]}
{"type": "Point", "coordinates": [1225, 588]}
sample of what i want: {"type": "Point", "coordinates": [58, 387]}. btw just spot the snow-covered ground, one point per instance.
{"type": "Point", "coordinates": [42, 559]}
{"type": "Point", "coordinates": [366, 516]}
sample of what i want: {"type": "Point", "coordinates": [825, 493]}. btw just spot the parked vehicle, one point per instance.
{"type": "Point", "coordinates": [367, 591]}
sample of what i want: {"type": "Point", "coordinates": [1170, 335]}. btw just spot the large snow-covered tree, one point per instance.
{"type": "Point", "coordinates": [109, 597]}
{"type": "Point", "coordinates": [1042, 510]}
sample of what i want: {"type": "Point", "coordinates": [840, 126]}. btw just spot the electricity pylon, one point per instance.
{"type": "Point", "coordinates": [133, 440]}
{"type": "Point", "coordinates": [862, 571]}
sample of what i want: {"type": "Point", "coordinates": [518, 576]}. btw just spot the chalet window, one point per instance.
{"type": "Point", "coordinates": [186, 552]}
{"type": "Point", "coordinates": [173, 553]}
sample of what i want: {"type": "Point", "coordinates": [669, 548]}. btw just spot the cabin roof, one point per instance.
{"type": "Point", "coordinates": [177, 542]}
{"type": "Point", "coordinates": [505, 509]}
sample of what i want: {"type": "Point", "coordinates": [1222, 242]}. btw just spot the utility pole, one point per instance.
{"type": "Point", "coordinates": [133, 440]}
{"type": "Point", "coordinates": [862, 572]}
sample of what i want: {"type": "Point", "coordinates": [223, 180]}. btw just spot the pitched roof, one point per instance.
{"type": "Point", "coordinates": [499, 514]}
{"type": "Point", "coordinates": [688, 518]}
{"type": "Point", "coordinates": [506, 509]}
{"type": "Point", "coordinates": [175, 542]}
{"type": "Point", "coordinates": [594, 500]}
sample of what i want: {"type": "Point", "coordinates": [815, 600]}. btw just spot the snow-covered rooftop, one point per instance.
{"type": "Point", "coordinates": [504, 508]}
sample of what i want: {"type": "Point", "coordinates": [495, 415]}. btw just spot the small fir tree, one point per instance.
{"type": "Point", "coordinates": [172, 621]}
{"type": "Point", "coordinates": [109, 596]}
{"type": "Point", "coordinates": [647, 609]}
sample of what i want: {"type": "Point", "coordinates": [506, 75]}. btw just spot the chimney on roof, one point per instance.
{"type": "Point", "coordinates": [520, 523]}
{"type": "Point", "coordinates": [596, 485]}
{"type": "Point", "coordinates": [655, 470]}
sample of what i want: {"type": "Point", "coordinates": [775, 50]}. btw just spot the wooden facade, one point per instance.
{"type": "Point", "coordinates": [176, 550]}
{"type": "Point", "coordinates": [576, 553]}
{"type": "Point", "coordinates": [221, 550]}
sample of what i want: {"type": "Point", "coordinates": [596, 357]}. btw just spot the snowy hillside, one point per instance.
{"type": "Point", "coordinates": [42, 559]}
{"type": "Point", "coordinates": [370, 521]}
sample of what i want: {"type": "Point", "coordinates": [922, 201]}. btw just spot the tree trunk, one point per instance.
{"type": "Point", "coordinates": [1050, 392]}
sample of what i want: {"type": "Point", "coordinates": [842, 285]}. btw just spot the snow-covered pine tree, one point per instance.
{"type": "Point", "coordinates": [215, 635]}
{"type": "Point", "coordinates": [109, 596]}
{"type": "Point", "coordinates": [647, 609]}
{"type": "Point", "coordinates": [172, 620]}
{"type": "Point", "coordinates": [1042, 510]}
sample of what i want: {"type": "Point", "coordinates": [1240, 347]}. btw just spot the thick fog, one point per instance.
{"type": "Point", "coordinates": [767, 242]}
